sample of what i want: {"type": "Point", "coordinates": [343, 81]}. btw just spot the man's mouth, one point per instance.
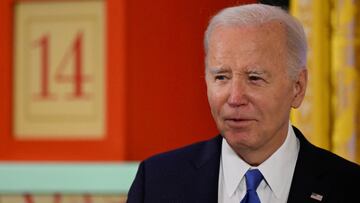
{"type": "Point", "coordinates": [239, 122]}
{"type": "Point", "coordinates": [238, 119]}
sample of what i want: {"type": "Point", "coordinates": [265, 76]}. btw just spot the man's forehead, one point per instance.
{"type": "Point", "coordinates": [249, 38]}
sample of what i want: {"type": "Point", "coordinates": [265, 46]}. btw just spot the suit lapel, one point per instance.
{"type": "Point", "coordinates": [308, 173]}
{"type": "Point", "coordinates": [203, 184]}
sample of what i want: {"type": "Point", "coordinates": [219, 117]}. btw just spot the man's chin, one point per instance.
{"type": "Point", "coordinates": [238, 138]}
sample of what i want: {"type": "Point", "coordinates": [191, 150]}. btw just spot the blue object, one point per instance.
{"type": "Point", "coordinates": [253, 179]}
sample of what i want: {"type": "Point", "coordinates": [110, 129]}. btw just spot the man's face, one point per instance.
{"type": "Point", "coordinates": [249, 89]}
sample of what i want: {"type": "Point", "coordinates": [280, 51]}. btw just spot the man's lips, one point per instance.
{"type": "Point", "coordinates": [238, 119]}
{"type": "Point", "coordinates": [238, 122]}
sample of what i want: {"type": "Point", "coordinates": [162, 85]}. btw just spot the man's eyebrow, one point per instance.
{"type": "Point", "coordinates": [257, 71]}
{"type": "Point", "coordinates": [217, 70]}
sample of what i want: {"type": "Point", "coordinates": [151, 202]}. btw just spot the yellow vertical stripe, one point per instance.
{"type": "Point", "coordinates": [313, 117]}
{"type": "Point", "coordinates": [345, 78]}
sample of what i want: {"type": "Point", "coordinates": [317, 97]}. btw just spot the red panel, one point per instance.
{"type": "Point", "coordinates": [5, 74]}
{"type": "Point", "coordinates": [167, 93]}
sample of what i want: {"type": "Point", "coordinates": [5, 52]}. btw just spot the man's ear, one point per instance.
{"type": "Point", "coordinates": [300, 88]}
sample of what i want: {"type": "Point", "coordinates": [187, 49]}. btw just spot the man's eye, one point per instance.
{"type": "Point", "coordinates": [254, 78]}
{"type": "Point", "coordinates": [220, 77]}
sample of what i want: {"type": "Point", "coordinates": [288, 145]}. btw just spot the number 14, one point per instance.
{"type": "Point", "coordinates": [77, 78]}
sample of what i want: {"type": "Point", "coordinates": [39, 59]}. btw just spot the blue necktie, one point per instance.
{"type": "Point", "coordinates": [253, 179]}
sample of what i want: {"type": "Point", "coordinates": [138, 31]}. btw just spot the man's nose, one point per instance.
{"type": "Point", "coordinates": [238, 94]}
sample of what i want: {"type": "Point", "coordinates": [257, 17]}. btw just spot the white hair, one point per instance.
{"type": "Point", "coordinates": [257, 14]}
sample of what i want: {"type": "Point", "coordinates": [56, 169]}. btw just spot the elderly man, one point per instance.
{"type": "Point", "coordinates": [255, 73]}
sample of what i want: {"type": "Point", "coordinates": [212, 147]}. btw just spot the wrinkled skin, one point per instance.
{"type": "Point", "coordinates": [249, 88]}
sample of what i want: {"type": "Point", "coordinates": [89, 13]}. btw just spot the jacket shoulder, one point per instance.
{"type": "Point", "coordinates": [337, 163]}
{"type": "Point", "coordinates": [323, 157]}
{"type": "Point", "coordinates": [187, 153]}
{"type": "Point", "coordinates": [175, 175]}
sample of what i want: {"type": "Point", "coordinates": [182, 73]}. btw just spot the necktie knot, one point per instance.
{"type": "Point", "coordinates": [253, 179]}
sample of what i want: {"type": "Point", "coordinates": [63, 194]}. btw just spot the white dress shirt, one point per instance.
{"type": "Point", "coordinates": [277, 171]}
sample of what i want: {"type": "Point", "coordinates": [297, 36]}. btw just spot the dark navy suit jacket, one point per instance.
{"type": "Point", "coordinates": [190, 174]}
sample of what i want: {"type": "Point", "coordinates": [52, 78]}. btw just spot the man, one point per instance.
{"type": "Point", "coordinates": [255, 73]}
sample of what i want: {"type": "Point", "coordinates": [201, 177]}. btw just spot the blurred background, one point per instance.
{"type": "Point", "coordinates": [91, 87]}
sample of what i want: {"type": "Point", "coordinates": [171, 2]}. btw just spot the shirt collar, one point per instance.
{"type": "Point", "coordinates": [279, 165]}
{"type": "Point", "coordinates": [234, 168]}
